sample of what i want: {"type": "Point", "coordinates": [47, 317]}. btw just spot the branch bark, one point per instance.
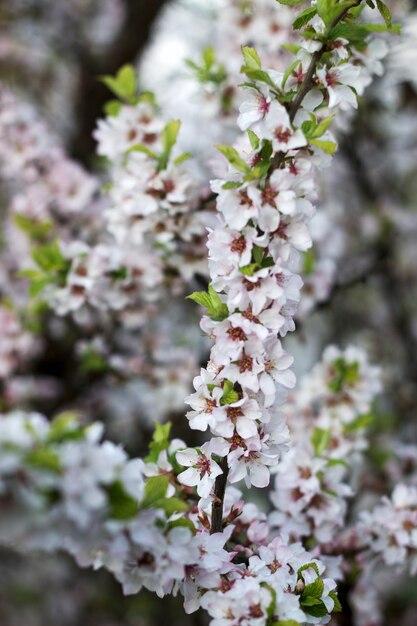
{"type": "Point", "coordinates": [92, 95]}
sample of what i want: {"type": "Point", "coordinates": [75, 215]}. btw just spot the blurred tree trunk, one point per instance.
{"type": "Point", "coordinates": [92, 95]}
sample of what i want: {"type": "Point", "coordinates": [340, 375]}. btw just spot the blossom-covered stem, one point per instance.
{"type": "Point", "coordinates": [307, 83]}
{"type": "Point", "coordinates": [219, 491]}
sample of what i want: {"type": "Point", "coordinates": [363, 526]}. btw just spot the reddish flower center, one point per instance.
{"type": "Point", "coordinates": [256, 611]}
{"type": "Point", "coordinates": [238, 245]}
{"type": "Point", "coordinates": [264, 105]}
{"type": "Point", "coordinates": [250, 316]}
{"type": "Point", "coordinates": [233, 412]}
{"type": "Point", "coordinates": [244, 198]}
{"type": "Point", "coordinates": [283, 134]}
{"type": "Point", "coordinates": [245, 364]}
{"type": "Point", "coordinates": [268, 195]}
{"type": "Point", "coordinates": [210, 405]}
{"type": "Point", "coordinates": [237, 334]}
{"type": "Point", "coordinates": [203, 465]}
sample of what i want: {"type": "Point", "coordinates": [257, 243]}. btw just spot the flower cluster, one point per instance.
{"type": "Point", "coordinates": [390, 529]}
{"type": "Point", "coordinates": [109, 511]}
{"type": "Point", "coordinates": [265, 204]}
{"type": "Point", "coordinates": [16, 344]}
{"type": "Point", "coordinates": [328, 418]}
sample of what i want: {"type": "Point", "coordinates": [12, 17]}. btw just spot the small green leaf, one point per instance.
{"type": "Point", "coordinates": [327, 146]}
{"type": "Point", "coordinates": [307, 566]}
{"type": "Point", "coordinates": [155, 490]}
{"type": "Point", "coordinates": [360, 422]}
{"type": "Point", "coordinates": [183, 157]}
{"type": "Point", "coordinates": [229, 394]}
{"type": "Point", "coordinates": [170, 505]}
{"type": "Point", "coordinates": [320, 440]}
{"type": "Point", "coordinates": [184, 522]}
{"type": "Point", "coordinates": [234, 158]}
{"type": "Point", "coordinates": [250, 269]}
{"type": "Point", "coordinates": [169, 136]}
{"type": "Point", "coordinates": [291, 3]}
{"type": "Point", "coordinates": [140, 147]}
{"type": "Point", "coordinates": [254, 139]}
{"type": "Point", "coordinates": [304, 17]}
{"type": "Point", "coordinates": [122, 506]}
{"type": "Point", "coordinates": [321, 128]}
{"type": "Point", "coordinates": [65, 427]}
{"type": "Point", "coordinates": [201, 297]}
{"type": "Point", "coordinates": [123, 85]}
{"type": "Point", "coordinates": [32, 227]}
{"type": "Point", "coordinates": [160, 441]}
{"type": "Point", "coordinates": [231, 185]}
{"type": "Point", "coordinates": [251, 58]}
{"type": "Point", "coordinates": [385, 12]}
{"type": "Point", "coordinates": [44, 459]}
{"type": "Point", "coordinates": [112, 108]}
{"type": "Point", "coordinates": [337, 606]}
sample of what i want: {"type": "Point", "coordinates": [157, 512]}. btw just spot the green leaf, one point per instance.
{"type": "Point", "coordinates": [155, 490]}
{"type": "Point", "coordinates": [122, 506]}
{"type": "Point", "coordinates": [313, 590]}
{"type": "Point", "coordinates": [310, 599]}
{"type": "Point", "coordinates": [360, 422]}
{"type": "Point", "coordinates": [251, 58]}
{"type": "Point", "coordinates": [307, 566]}
{"type": "Point", "coordinates": [320, 440]}
{"type": "Point", "coordinates": [258, 75]}
{"type": "Point", "coordinates": [272, 607]}
{"type": "Point", "coordinates": [321, 128]}
{"type": "Point", "coordinates": [231, 185]}
{"type": "Point", "coordinates": [304, 17]}
{"type": "Point", "coordinates": [234, 158]}
{"type": "Point", "coordinates": [288, 71]}
{"type": "Point", "coordinates": [44, 459]}
{"type": "Point", "coordinates": [286, 622]}
{"type": "Point", "coordinates": [309, 262]}
{"type": "Point", "coordinates": [112, 108]}
{"type": "Point", "coordinates": [385, 12]}
{"type": "Point", "coordinates": [229, 394]}
{"type": "Point", "coordinates": [140, 147]}
{"type": "Point", "coordinates": [49, 257]}
{"type": "Point", "coordinates": [337, 606]}
{"type": "Point", "coordinates": [291, 3]}
{"type": "Point", "coordinates": [170, 505]}
{"type": "Point", "coordinates": [201, 297]}
{"type": "Point", "coordinates": [254, 139]}
{"type": "Point", "coordinates": [65, 427]}
{"type": "Point", "coordinates": [343, 373]}
{"type": "Point", "coordinates": [212, 302]}
{"type": "Point", "coordinates": [250, 269]}
{"type": "Point", "coordinates": [327, 146]}
{"type": "Point", "coordinates": [183, 157]}
{"type": "Point", "coordinates": [123, 85]}
{"type": "Point", "coordinates": [169, 136]}
{"type": "Point", "coordinates": [32, 227]}
{"type": "Point", "coordinates": [160, 441]}
{"type": "Point", "coordinates": [184, 522]}
{"type": "Point", "coordinates": [258, 254]}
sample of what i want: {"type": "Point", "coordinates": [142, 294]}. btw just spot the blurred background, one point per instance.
{"type": "Point", "coordinates": [360, 280]}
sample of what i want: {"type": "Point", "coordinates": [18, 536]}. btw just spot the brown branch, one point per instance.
{"type": "Point", "coordinates": [217, 506]}
{"type": "Point", "coordinates": [306, 85]}
{"type": "Point", "coordinates": [92, 95]}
